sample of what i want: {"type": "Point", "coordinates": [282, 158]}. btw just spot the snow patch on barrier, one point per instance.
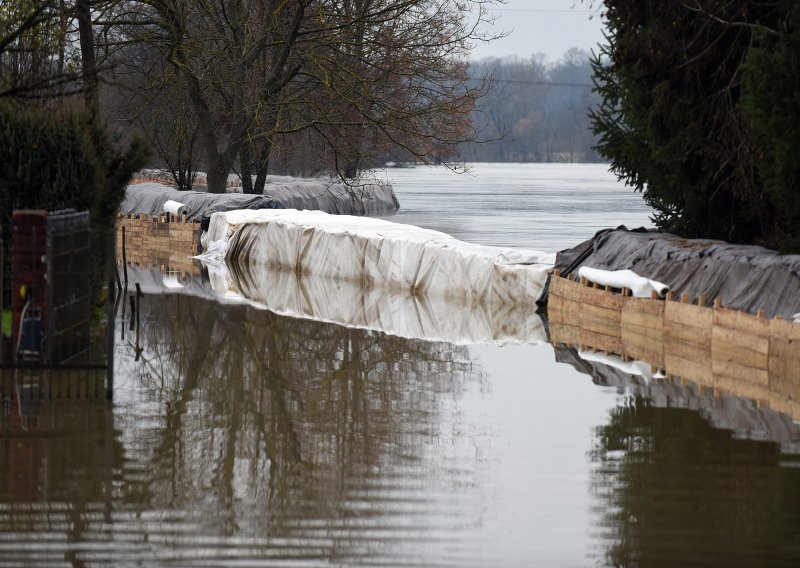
{"type": "Point", "coordinates": [639, 286]}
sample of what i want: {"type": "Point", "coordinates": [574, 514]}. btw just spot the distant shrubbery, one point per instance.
{"type": "Point", "coordinates": [700, 112]}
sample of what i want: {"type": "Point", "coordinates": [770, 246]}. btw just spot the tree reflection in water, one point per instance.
{"type": "Point", "coordinates": [673, 490]}
{"type": "Point", "coordinates": [274, 428]}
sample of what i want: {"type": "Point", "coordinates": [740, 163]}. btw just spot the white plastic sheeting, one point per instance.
{"type": "Point", "coordinates": [214, 254]}
{"type": "Point", "coordinates": [377, 253]}
{"type": "Point", "coordinates": [639, 286]}
{"type": "Point", "coordinates": [176, 208]}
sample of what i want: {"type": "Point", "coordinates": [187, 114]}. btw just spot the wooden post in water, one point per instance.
{"type": "Point", "coordinates": [111, 266]}
{"type": "Point", "coordinates": [137, 350]}
{"type": "Point", "coordinates": [124, 258]}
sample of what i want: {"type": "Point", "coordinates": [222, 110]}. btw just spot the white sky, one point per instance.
{"type": "Point", "coordinates": [544, 26]}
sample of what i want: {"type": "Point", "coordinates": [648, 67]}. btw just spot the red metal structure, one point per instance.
{"type": "Point", "coordinates": [50, 285]}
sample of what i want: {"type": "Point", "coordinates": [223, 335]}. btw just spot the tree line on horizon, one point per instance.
{"type": "Point", "coordinates": [535, 110]}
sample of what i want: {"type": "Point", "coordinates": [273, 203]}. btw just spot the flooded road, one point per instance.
{"type": "Point", "coordinates": [240, 437]}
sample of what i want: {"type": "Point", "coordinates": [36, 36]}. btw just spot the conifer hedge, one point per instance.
{"type": "Point", "coordinates": [62, 158]}
{"type": "Point", "coordinates": [700, 111]}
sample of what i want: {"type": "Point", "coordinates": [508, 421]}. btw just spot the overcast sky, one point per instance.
{"type": "Point", "coordinates": [544, 26]}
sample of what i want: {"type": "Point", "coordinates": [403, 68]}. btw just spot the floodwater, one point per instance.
{"type": "Point", "coordinates": [546, 207]}
{"type": "Point", "coordinates": [240, 437]}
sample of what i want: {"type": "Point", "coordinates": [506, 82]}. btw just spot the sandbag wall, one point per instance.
{"type": "Point", "coordinates": [161, 242]}
{"type": "Point", "coordinates": [726, 350]}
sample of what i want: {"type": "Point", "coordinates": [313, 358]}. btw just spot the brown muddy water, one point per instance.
{"type": "Point", "coordinates": [239, 437]}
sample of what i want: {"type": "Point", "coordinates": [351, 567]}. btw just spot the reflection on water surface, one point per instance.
{"type": "Point", "coordinates": [243, 437]}
{"type": "Point", "coordinates": [672, 490]}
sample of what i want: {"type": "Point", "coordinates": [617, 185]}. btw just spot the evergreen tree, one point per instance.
{"type": "Point", "coordinates": [771, 106]}
{"type": "Point", "coordinates": [675, 124]}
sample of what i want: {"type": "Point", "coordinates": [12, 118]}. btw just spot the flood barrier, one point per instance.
{"type": "Point", "coordinates": [727, 351]}
{"type": "Point", "coordinates": [374, 252]}
{"type": "Point", "coordinates": [164, 242]}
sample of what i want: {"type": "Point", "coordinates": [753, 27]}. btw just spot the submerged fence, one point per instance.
{"type": "Point", "coordinates": [48, 355]}
{"type": "Point", "coordinates": [52, 382]}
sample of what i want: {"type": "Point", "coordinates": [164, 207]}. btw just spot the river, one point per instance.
{"type": "Point", "coordinates": [239, 437]}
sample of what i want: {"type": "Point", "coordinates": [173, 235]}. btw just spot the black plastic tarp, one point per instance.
{"type": "Point", "coordinates": [333, 196]}
{"type": "Point", "coordinates": [748, 278]}
{"type": "Point", "coordinates": [150, 198]}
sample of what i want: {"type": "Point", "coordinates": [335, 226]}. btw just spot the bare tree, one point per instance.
{"type": "Point", "coordinates": [33, 57]}
{"type": "Point", "coordinates": [361, 75]}
{"type": "Point", "coordinates": [535, 110]}
{"type": "Point", "coordinates": [48, 49]}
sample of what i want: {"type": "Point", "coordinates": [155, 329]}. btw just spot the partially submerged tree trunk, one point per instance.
{"type": "Point", "coordinates": [217, 175]}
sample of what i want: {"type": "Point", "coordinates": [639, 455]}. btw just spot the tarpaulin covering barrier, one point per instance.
{"type": "Point", "coordinates": [747, 278]}
{"type": "Point", "coordinates": [360, 197]}
{"type": "Point", "coordinates": [151, 197]}
{"type": "Point", "coordinates": [371, 198]}
{"type": "Point", "coordinates": [374, 252]}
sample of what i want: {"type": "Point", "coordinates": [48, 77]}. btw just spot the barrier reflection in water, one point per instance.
{"type": "Point", "coordinates": [290, 438]}
{"type": "Point", "coordinates": [352, 305]}
{"type": "Point", "coordinates": [723, 350]}
{"type": "Point", "coordinates": [684, 475]}
{"type": "Point", "coordinates": [377, 308]}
